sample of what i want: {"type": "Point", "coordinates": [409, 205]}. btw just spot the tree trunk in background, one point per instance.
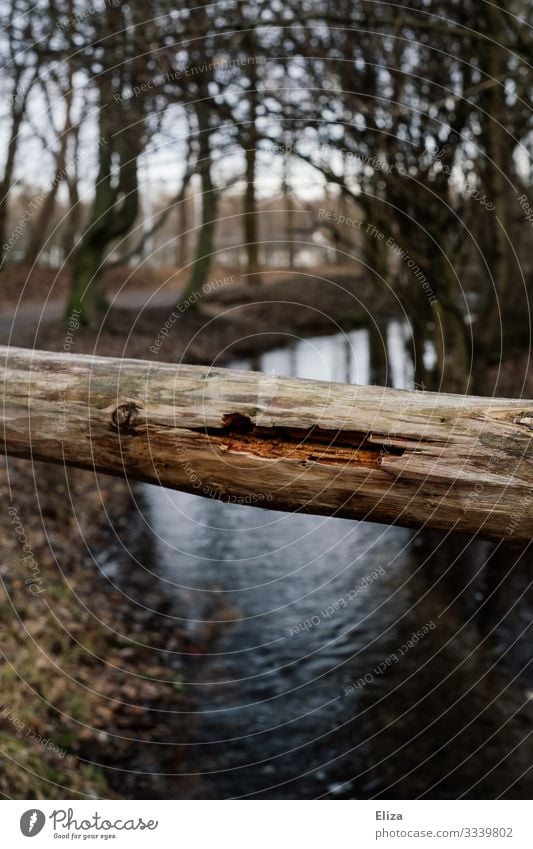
{"type": "Point", "coordinates": [289, 227]}
{"type": "Point", "coordinates": [424, 379]}
{"type": "Point", "coordinates": [17, 114]}
{"type": "Point", "coordinates": [251, 218]}
{"type": "Point", "coordinates": [182, 252]}
{"type": "Point", "coordinates": [377, 343]}
{"type": "Point", "coordinates": [116, 200]}
{"type": "Point", "coordinates": [289, 223]}
{"type": "Point", "coordinates": [109, 220]}
{"type": "Point", "coordinates": [289, 212]}
{"type": "Point", "coordinates": [72, 221]}
{"type": "Point", "coordinates": [7, 180]}
{"type": "Point", "coordinates": [71, 224]}
{"type": "Point", "coordinates": [374, 251]}
{"type": "Point", "coordinates": [342, 245]}
{"type": "Point", "coordinates": [42, 223]}
{"type": "Point", "coordinates": [205, 244]}
{"type": "Point", "coordinates": [450, 333]}
{"type": "Point", "coordinates": [497, 169]}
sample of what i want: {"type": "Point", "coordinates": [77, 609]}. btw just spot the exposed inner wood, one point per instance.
{"type": "Point", "coordinates": [314, 444]}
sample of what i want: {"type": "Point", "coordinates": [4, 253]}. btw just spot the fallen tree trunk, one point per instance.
{"type": "Point", "coordinates": [408, 458]}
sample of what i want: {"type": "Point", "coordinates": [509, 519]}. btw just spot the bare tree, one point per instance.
{"type": "Point", "coordinates": [20, 65]}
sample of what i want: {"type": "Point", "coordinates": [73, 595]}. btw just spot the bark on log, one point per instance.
{"type": "Point", "coordinates": [408, 458]}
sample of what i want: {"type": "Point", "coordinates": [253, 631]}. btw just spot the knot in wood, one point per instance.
{"type": "Point", "coordinates": [123, 418]}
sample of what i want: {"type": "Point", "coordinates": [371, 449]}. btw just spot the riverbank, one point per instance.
{"type": "Point", "coordinates": [91, 682]}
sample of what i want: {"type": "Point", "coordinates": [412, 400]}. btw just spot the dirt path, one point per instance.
{"type": "Point", "coordinates": [33, 315]}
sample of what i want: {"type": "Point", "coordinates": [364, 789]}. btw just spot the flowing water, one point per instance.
{"type": "Point", "coordinates": [347, 659]}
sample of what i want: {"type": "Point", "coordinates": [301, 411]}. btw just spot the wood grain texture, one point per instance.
{"type": "Point", "coordinates": [408, 458]}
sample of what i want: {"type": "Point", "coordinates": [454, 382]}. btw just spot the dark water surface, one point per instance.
{"type": "Point", "coordinates": [315, 685]}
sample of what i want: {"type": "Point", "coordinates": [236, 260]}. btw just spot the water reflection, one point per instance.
{"type": "Point", "coordinates": [343, 358]}
{"type": "Point", "coordinates": [301, 695]}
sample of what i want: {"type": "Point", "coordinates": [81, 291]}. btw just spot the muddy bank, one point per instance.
{"type": "Point", "coordinates": [93, 702]}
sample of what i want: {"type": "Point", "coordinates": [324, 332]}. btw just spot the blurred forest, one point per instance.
{"type": "Point", "coordinates": [180, 136]}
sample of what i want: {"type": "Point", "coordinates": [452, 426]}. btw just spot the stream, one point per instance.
{"type": "Point", "coordinates": [347, 659]}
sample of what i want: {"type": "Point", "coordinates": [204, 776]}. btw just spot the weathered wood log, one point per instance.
{"type": "Point", "coordinates": [409, 458]}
